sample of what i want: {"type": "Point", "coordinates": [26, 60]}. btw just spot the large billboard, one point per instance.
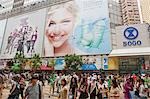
{"type": "Point", "coordinates": [79, 26]}
{"type": "Point", "coordinates": [24, 34]}
{"type": "Point", "coordinates": [2, 30]}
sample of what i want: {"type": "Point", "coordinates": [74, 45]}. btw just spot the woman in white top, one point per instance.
{"type": "Point", "coordinates": [64, 91]}
{"type": "Point", "coordinates": [93, 88]}
{"type": "Point", "coordinates": [114, 91]}
{"type": "Point", "coordinates": [102, 90]}
{"type": "Point", "coordinates": [143, 90]}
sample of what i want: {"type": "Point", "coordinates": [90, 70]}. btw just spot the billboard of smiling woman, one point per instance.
{"type": "Point", "coordinates": [78, 26]}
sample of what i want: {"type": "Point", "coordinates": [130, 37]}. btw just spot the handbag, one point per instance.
{"type": "Point", "coordinates": [11, 96]}
{"type": "Point", "coordinates": [16, 91]}
{"type": "Point", "coordinates": [99, 96]}
{"type": "Point", "coordinates": [85, 94]}
{"type": "Point", "coordinates": [70, 95]}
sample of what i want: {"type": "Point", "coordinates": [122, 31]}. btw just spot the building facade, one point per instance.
{"type": "Point", "coordinates": [6, 5]}
{"type": "Point", "coordinates": [145, 9]}
{"type": "Point", "coordinates": [130, 12]}
{"type": "Point", "coordinates": [25, 6]}
{"type": "Point", "coordinates": [133, 48]}
{"type": "Point", "coordinates": [115, 19]}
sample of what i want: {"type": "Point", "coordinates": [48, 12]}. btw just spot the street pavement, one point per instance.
{"type": "Point", "coordinates": [45, 95]}
{"type": "Point", "coordinates": [45, 91]}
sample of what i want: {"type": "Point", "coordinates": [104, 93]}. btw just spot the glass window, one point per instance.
{"type": "Point", "coordinates": [6, 5]}
{"type": "Point", "coordinates": [28, 2]}
{"type": "Point", "coordinates": [112, 25]}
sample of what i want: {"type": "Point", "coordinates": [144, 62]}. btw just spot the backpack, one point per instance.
{"type": "Point", "coordinates": [16, 90]}
{"type": "Point", "coordinates": [40, 91]}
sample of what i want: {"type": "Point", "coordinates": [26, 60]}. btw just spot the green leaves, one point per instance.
{"type": "Point", "coordinates": [19, 62]}
{"type": "Point", "coordinates": [51, 63]}
{"type": "Point", "coordinates": [16, 68]}
{"type": "Point", "coordinates": [36, 61]}
{"type": "Point", "coordinates": [73, 62]}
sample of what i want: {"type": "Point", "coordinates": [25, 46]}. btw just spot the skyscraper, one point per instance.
{"type": "Point", "coordinates": [130, 12]}
{"type": "Point", "coordinates": [115, 19]}
{"type": "Point", "coordinates": [18, 3]}
{"type": "Point", "coordinates": [145, 9]}
{"type": "Point", "coordinates": [6, 5]}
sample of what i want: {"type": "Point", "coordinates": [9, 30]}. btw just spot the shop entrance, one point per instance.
{"type": "Point", "coordinates": [129, 65]}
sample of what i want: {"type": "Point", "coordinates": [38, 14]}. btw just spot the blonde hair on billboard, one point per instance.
{"type": "Point", "coordinates": [69, 6]}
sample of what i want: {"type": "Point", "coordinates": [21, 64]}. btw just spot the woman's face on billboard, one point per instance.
{"type": "Point", "coordinates": [61, 23]}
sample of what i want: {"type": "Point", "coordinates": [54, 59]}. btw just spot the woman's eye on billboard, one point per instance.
{"type": "Point", "coordinates": [66, 21]}
{"type": "Point", "coordinates": [52, 23]}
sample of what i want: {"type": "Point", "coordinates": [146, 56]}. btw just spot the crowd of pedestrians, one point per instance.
{"type": "Point", "coordinates": [76, 86]}
{"type": "Point", "coordinates": [97, 86]}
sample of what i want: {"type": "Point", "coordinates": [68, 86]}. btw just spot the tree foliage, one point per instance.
{"type": "Point", "coordinates": [19, 62]}
{"type": "Point", "coordinates": [36, 62]}
{"type": "Point", "coordinates": [73, 62]}
{"type": "Point", "coordinates": [51, 63]}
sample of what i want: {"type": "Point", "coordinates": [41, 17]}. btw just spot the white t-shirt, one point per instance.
{"type": "Point", "coordinates": [142, 92]}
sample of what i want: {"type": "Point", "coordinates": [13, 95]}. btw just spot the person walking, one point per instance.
{"type": "Point", "coordinates": [52, 83]}
{"type": "Point", "coordinates": [34, 90]}
{"type": "Point", "coordinates": [15, 90]}
{"type": "Point", "coordinates": [58, 82]}
{"type": "Point", "coordinates": [102, 90]}
{"type": "Point", "coordinates": [127, 89]}
{"type": "Point", "coordinates": [109, 83]}
{"type": "Point", "coordinates": [1, 86]}
{"type": "Point", "coordinates": [93, 88]}
{"type": "Point", "coordinates": [73, 87]}
{"type": "Point", "coordinates": [143, 90]}
{"type": "Point", "coordinates": [22, 85]}
{"type": "Point", "coordinates": [114, 91]}
{"type": "Point", "coordinates": [64, 90]}
{"type": "Point", "coordinates": [83, 89]}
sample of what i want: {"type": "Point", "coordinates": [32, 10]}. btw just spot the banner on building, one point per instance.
{"type": "Point", "coordinates": [78, 26]}
{"type": "Point", "coordinates": [24, 34]}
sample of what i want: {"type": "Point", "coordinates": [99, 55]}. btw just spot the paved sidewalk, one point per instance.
{"type": "Point", "coordinates": [45, 91]}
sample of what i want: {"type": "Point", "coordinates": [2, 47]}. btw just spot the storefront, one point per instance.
{"type": "Point", "coordinates": [134, 64]}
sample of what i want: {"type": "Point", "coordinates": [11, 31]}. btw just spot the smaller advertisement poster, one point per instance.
{"type": "Point", "coordinates": [47, 64]}
{"type": "Point", "coordinates": [98, 62]}
{"type": "Point", "coordinates": [105, 62]}
{"type": "Point", "coordinates": [91, 62]}
{"type": "Point", "coordinates": [59, 64]}
{"type": "Point", "coordinates": [113, 63]}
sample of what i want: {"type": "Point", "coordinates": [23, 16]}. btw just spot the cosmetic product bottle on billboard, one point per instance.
{"type": "Point", "coordinates": [87, 36]}
{"type": "Point", "coordinates": [98, 32]}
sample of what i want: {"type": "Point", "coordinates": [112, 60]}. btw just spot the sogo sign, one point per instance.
{"type": "Point", "coordinates": [131, 35]}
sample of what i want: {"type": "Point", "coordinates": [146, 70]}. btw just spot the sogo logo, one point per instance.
{"type": "Point", "coordinates": [131, 34]}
